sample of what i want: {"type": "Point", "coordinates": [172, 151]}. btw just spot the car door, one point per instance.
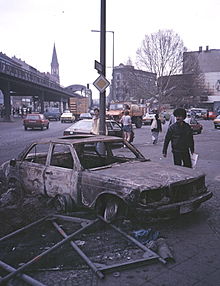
{"type": "Point", "coordinates": [61, 175]}
{"type": "Point", "coordinates": [32, 167]}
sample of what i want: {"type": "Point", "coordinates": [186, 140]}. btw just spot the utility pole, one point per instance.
{"type": "Point", "coordinates": [102, 97]}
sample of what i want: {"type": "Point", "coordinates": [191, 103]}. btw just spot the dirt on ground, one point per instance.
{"type": "Point", "coordinates": [16, 215]}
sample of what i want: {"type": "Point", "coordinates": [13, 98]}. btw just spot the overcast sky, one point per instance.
{"type": "Point", "coordinates": [29, 28]}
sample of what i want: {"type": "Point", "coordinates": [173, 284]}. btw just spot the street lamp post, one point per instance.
{"type": "Point", "coordinates": [113, 57]}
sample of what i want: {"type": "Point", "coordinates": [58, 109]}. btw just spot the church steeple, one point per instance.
{"type": "Point", "coordinates": [55, 66]}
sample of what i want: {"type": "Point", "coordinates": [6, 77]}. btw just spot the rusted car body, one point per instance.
{"type": "Point", "coordinates": [87, 171]}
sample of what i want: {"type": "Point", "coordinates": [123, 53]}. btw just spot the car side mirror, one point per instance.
{"type": "Point", "coordinates": [12, 162]}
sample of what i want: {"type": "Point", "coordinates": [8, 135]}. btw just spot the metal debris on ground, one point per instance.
{"type": "Point", "coordinates": [164, 250]}
{"type": "Point", "coordinates": [98, 269]}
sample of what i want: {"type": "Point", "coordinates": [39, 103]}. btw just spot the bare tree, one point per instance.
{"type": "Point", "coordinates": [161, 53]}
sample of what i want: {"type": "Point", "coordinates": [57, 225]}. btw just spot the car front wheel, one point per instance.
{"type": "Point", "coordinates": [110, 210]}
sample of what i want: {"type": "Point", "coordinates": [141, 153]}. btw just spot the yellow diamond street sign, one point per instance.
{"type": "Point", "coordinates": [101, 83]}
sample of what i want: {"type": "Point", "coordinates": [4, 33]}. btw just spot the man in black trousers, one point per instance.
{"type": "Point", "coordinates": [181, 137]}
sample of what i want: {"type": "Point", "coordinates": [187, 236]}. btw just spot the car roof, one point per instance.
{"type": "Point", "coordinates": [77, 139]}
{"type": "Point", "coordinates": [90, 120]}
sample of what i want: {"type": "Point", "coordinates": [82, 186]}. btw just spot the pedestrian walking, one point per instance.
{"type": "Point", "coordinates": [100, 146]}
{"type": "Point", "coordinates": [181, 137]}
{"type": "Point", "coordinates": [127, 125]}
{"type": "Point", "coordinates": [156, 127]}
{"type": "Point", "coordinates": [95, 122]}
{"type": "Point", "coordinates": [172, 119]}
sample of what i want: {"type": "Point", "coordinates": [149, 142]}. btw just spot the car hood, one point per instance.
{"type": "Point", "coordinates": [80, 130]}
{"type": "Point", "coordinates": [147, 175]}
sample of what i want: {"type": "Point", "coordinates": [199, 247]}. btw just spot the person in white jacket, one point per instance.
{"type": "Point", "coordinates": [156, 127]}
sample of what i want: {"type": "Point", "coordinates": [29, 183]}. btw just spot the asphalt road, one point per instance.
{"type": "Point", "coordinates": [13, 137]}
{"type": "Point", "coordinates": [194, 239]}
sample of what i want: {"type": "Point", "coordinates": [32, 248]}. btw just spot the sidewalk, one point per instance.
{"type": "Point", "coordinates": [13, 119]}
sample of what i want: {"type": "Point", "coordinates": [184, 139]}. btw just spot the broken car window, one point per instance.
{"type": "Point", "coordinates": [38, 154]}
{"type": "Point", "coordinates": [61, 156]}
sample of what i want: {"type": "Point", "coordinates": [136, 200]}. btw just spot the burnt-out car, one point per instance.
{"type": "Point", "coordinates": [87, 171]}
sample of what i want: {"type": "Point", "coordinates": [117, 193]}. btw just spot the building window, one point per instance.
{"type": "Point", "coordinates": [118, 76]}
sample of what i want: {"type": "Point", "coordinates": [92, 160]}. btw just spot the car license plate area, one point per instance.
{"type": "Point", "coordinates": [33, 121]}
{"type": "Point", "coordinates": [186, 209]}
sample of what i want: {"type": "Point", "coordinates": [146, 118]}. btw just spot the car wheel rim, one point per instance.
{"type": "Point", "coordinates": [111, 210]}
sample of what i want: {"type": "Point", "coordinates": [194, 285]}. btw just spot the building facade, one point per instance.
{"type": "Point", "coordinates": [129, 83]}
{"type": "Point", "coordinates": [206, 62]}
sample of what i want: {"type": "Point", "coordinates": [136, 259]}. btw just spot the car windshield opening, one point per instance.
{"type": "Point", "coordinates": [101, 154]}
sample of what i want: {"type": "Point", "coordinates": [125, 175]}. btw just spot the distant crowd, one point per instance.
{"type": "Point", "coordinates": [16, 111]}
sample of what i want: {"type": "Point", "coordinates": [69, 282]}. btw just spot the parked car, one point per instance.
{"type": "Point", "coordinates": [148, 118]}
{"type": "Point", "coordinates": [72, 172]}
{"type": "Point", "coordinates": [198, 112]}
{"type": "Point", "coordinates": [52, 113]}
{"type": "Point", "coordinates": [195, 126]}
{"type": "Point", "coordinates": [84, 126]}
{"type": "Point", "coordinates": [85, 116]}
{"type": "Point", "coordinates": [35, 121]}
{"type": "Point", "coordinates": [216, 121]}
{"type": "Point", "coordinates": [67, 116]}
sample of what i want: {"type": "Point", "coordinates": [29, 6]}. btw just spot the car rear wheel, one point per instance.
{"type": "Point", "coordinates": [64, 203]}
{"type": "Point", "coordinates": [25, 128]}
{"type": "Point", "coordinates": [48, 126]}
{"type": "Point", "coordinates": [15, 192]}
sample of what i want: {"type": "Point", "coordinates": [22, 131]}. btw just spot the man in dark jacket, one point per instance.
{"type": "Point", "coordinates": [181, 137]}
